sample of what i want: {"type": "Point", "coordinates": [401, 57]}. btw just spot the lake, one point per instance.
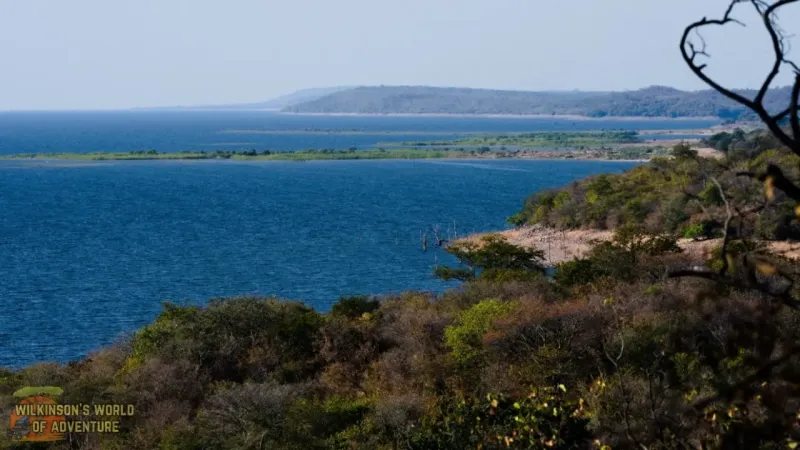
{"type": "Point", "coordinates": [89, 251]}
{"type": "Point", "coordinates": [170, 131]}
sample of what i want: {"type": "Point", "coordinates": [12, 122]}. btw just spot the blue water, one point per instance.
{"type": "Point", "coordinates": [169, 131]}
{"type": "Point", "coordinates": [88, 251]}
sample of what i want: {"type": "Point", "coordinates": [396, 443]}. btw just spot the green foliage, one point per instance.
{"type": "Point", "coordinates": [683, 151]}
{"type": "Point", "coordinates": [671, 195]}
{"type": "Point", "coordinates": [701, 230]}
{"type": "Point", "coordinates": [517, 219]}
{"type": "Point", "coordinates": [492, 258]}
{"type": "Point", "coordinates": [212, 338]}
{"type": "Point", "coordinates": [624, 257]}
{"type": "Point", "coordinates": [674, 213]}
{"type": "Point", "coordinates": [543, 140]}
{"type": "Point", "coordinates": [353, 307]}
{"type": "Point", "coordinates": [500, 275]}
{"type": "Point", "coordinates": [449, 273]}
{"type": "Point", "coordinates": [543, 419]}
{"type": "Point", "coordinates": [578, 272]}
{"type": "Point", "coordinates": [710, 195]}
{"type": "Point", "coordinates": [740, 145]}
{"type": "Point", "coordinates": [465, 336]}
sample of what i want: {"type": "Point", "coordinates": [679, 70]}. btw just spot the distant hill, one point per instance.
{"type": "Point", "coordinates": [654, 101]}
{"type": "Point", "coordinates": [278, 103]}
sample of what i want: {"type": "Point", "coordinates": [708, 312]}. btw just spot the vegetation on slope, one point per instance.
{"type": "Point", "coordinates": [656, 101]}
{"type": "Point", "coordinates": [676, 195]}
{"type": "Point", "coordinates": [512, 359]}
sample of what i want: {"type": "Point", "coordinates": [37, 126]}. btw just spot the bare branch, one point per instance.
{"type": "Point", "coordinates": [778, 178]}
{"type": "Point", "coordinates": [777, 36]}
{"type": "Point", "coordinates": [778, 46]}
{"type": "Point", "coordinates": [784, 295]}
{"type": "Point", "coordinates": [727, 236]}
{"type": "Point", "coordinates": [793, 109]}
{"type": "Point", "coordinates": [759, 374]}
{"type": "Point", "coordinates": [782, 115]}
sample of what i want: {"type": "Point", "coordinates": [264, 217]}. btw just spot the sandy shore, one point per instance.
{"type": "Point", "coordinates": [560, 246]}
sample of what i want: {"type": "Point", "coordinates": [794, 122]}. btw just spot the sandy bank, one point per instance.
{"type": "Point", "coordinates": [560, 246]}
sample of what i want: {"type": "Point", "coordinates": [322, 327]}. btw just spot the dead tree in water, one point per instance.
{"type": "Point", "coordinates": [438, 240]}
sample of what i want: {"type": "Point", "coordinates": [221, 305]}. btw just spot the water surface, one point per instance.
{"type": "Point", "coordinates": [170, 131]}
{"type": "Point", "coordinates": [90, 250]}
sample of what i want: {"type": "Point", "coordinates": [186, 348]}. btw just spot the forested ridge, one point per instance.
{"type": "Point", "coordinates": [654, 101]}
{"type": "Point", "coordinates": [677, 195]}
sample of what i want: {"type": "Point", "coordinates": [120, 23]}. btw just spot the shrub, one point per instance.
{"type": "Point", "coordinates": [541, 419]}
{"type": "Point", "coordinates": [464, 338]}
{"type": "Point", "coordinates": [710, 195]}
{"type": "Point", "coordinates": [494, 257]}
{"type": "Point", "coordinates": [232, 339]}
{"type": "Point", "coordinates": [352, 307]}
{"type": "Point", "coordinates": [578, 272]}
{"type": "Point", "coordinates": [683, 151]}
{"type": "Point", "coordinates": [700, 230]}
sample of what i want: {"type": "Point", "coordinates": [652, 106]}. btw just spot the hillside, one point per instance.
{"type": "Point", "coordinates": [655, 101]}
{"type": "Point", "coordinates": [677, 195]}
{"type": "Point", "coordinates": [284, 101]}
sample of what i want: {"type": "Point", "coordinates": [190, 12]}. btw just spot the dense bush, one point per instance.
{"type": "Point", "coordinates": [673, 196]}
{"type": "Point", "coordinates": [492, 258]}
{"type": "Point", "coordinates": [353, 307]}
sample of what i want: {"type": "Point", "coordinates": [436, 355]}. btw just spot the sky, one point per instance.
{"type": "Point", "coordinates": [111, 54]}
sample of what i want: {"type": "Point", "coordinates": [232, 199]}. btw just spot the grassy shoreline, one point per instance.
{"type": "Point", "coordinates": [605, 145]}
{"type": "Point", "coordinates": [592, 145]}
{"type": "Point", "coordinates": [619, 154]}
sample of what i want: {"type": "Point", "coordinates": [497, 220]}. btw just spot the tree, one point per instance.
{"type": "Point", "coordinates": [767, 11]}
{"type": "Point", "coordinates": [683, 150]}
{"type": "Point", "coordinates": [492, 258]}
{"type": "Point", "coordinates": [773, 176]}
{"type": "Point", "coordinates": [772, 367]}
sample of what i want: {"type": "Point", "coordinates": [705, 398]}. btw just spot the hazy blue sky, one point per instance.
{"type": "Point", "coordinates": [87, 54]}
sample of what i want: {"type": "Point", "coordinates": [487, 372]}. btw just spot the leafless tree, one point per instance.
{"type": "Point", "coordinates": [752, 273]}
{"type": "Point", "coordinates": [768, 12]}
{"type": "Point", "coordinates": [694, 48]}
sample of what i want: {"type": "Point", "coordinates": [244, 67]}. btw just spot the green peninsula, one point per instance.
{"type": "Point", "coordinates": [599, 145]}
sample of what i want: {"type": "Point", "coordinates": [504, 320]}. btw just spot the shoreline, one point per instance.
{"type": "Point", "coordinates": [565, 245]}
{"type": "Point", "coordinates": [574, 117]}
{"type": "Point", "coordinates": [65, 162]}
